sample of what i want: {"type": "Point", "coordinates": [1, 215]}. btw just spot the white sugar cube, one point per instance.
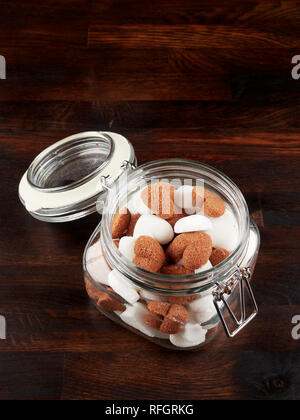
{"type": "Point", "coordinates": [252, 248]}
{"type": "Point", "coordinates": [193, 223]}
{"type": "Point", "coordinates": [134, 316]}
{"type": "Point", "coordinates": [123, 287]}
{"type": "Point", "coordinates": [157, 228]}
{"type": "Point", "coordinates": [203, 309]}
{"type": "Point", "coordinates": [224, 232]}
{"type": "Point", "coordinates": [147, 295]}
{"type": "Point", "coordinates": [136, 205]}
{"type": "Point", "coordinates": [126, 247]}
{"type": "Point", "coordinates": [190, 336]}
{"type": "Point", "coordinates": [204, 267]}
{"type": "Point", "coordinates": [96, 264]}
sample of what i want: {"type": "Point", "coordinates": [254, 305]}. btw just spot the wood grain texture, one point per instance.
{"type": "Point", "coordinates": [64, 63]}
{"type": "Point", "coordinates": [33, 376]}
{"type": "Point", "coordinates": [209, 81]}
{"type": "Point", "coordinates": [245, 13]}
{"type": "Point", "coordinates": [186, 36]}
{"type": "Point", "coordinates": [245, 382]}
{"type": "Point", "coordinates": [123, 88]}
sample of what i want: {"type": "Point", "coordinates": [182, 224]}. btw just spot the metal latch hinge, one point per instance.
{"type": "Point", "coordinates": [126, 165]}
{"type": "Point", "coordinates": [221, 295]}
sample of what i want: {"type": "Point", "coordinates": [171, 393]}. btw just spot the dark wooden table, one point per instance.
{"type": "Point", "coordinates": [195, 79]}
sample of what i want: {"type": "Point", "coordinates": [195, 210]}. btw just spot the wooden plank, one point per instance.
{"type": "Point", "coordinates": [63, 289]}
{"type": "Point", "coordinates": [261, 145]}
{"type": "Point", "coordinates": [52, 23]}
{"type": "Point", "coordinates": [61, 62]}
{"type": "Point", "coordinates": [186, 36]}
{"type": "Point", "coordinates": [249, 13]}
{"type": "Point", "coordinates": [121, 87]}
{"type": "Point", "coordinates": [253, 375]}
{"type": "Point", "coordinates": [234, 118]}
{"type": "Point", "coordinates": [31, 376]}
{"type": "Point", "coordinates": [30, 251]}
{"type": "Point", "coordinates": [142, 383]}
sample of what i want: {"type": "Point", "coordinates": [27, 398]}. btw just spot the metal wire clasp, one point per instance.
{"type": "Point", "coordinates": [104, 183]}
{"type": "Point", "coordinates": [126, 165]}
{"type": "Point", "coordinates": [222, 293]}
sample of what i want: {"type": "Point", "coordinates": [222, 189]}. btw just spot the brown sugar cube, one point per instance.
{"type": "Point", "coordinates": [218, 255]}
{"type": "Point", "coordinates": [148, 247]}
{"type": "Point", "coordinates": [133, 222]}
{"type": "Point", "coordinates": [181, 300]}
{"type": "Point", "coordinates": [149, 254]}
{"type": "Point", "coordinates": [195, 256]}
{"type": "Point", "coordinates": [146, 264]}
{"type": "Point", "coordinates": [178, 313]}
{"type": "Point", "coordinates": [176, 270]}
{"type": "Point", "coordinates": [109, 303]}
{"type": "Point", "coordinates": [159, 198]}
{"type": "Point", "coordinates": [170, 327]}
{"type": "Point", "coordinates": [214, 206]}
{"type": "Point", "coordinates": [177, 247]}
{"type": "Point", "coordinates": [92, 291]}
{"type": "Point", "coordinates": [152, 322]}
{"type": "Point", "coordinates": [158, 308]}
{"type": "Point", "coordinates": [121, 223]}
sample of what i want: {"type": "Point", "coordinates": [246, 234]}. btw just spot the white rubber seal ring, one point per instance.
{"type": "Point", "coordinates": [35, 200]}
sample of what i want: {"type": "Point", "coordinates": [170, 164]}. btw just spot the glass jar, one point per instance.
{"type": "Point", "coordinates": [121, 290]}
{"type": "Point", "coordinates": [96, 171]}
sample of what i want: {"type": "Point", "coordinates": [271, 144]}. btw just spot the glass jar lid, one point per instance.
{"type": "Point", "coordinates": [63, 183]}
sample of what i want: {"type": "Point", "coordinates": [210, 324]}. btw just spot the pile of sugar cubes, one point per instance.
{"type": "Point", "coordinates": [175, 232]}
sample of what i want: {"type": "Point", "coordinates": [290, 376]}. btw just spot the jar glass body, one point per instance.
{"type": "Point", "coordinates": [106, 271]}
